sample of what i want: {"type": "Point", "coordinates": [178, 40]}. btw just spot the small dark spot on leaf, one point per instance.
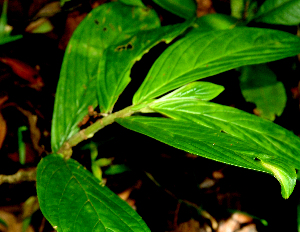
{"type": "Point", "coordinates": [104, 29]}
{"type": "Point", "coordinates": [96, 21]}
{"type": "Point", "coordinates": [223, 132]}
{"type": "Point", "coordinates": [129, 46]}
{"type": "Point", "coordinates": [256, 159]}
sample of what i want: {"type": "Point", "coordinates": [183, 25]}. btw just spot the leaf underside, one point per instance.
{"type": "Point", "coordinates": [73, 200]}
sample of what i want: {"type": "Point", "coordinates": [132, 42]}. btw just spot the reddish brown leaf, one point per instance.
{"type": "Point", "coordinates": [24, 71]}
{"type": "Point", "coordinates": [3, 130]}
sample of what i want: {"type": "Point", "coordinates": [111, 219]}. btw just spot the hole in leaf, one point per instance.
{"type": "Point", "coordinates": [124, 47]}
{"type": "Point", "coordinates": [256, 159]}
{"type": "Point", "coordinates": [96, 21]}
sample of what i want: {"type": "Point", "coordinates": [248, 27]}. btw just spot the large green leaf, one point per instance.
{"type": "Point", "coordinates": [73, 200]}
{"type": "Point", "coordinates": [214, 144]}
{"type": "Point", "coordinates": [259, 85]}
{"type": "Point", "coordinates": [108, 24]}
{"type": "Point", "coordinates": [183, 8]}
{"type": "Point", "coordinates": [286, 12]}
{"type": "Point", "coordinates": [283, 146]}
{"type": "Point", "coordinates": [118, 59]}
{"type": "Point", "coordinates": [205, 54]}
{"type": "Point", "coordinates": [235, 122]}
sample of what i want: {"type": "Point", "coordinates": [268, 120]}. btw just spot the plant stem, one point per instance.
{"type": "Point", "coordinates": [84, 134]}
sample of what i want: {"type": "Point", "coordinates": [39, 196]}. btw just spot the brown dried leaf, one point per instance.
{"type": "Point", "coordinates": [13, 224]}
{"type": "Point", "coordinates": [24, 71]}
{"type": "Point", "coordinates": [191, 226]}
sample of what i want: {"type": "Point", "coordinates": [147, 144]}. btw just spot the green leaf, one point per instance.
{"type": "Point", "coordinates": [281, 145]}
{"type": "Point", "coordinates": [72, 200]}
{"type": "Point", "coordinates": [117, 169]}
{"type": "Point", "coordinates": [286, 12]}
{"type": "Point", "coordinates": [200, 90]}
{"type": "Point", "coordinates": [118, 59]}
{"type": "Point", "coordinates": [107, 24]}
{"type": "Point", "coordinates": [3, 19]}
{"type": "Point", "coordinates": [214, 22]}
{"type": "Point", "coordinates": [259, 85]}
{"type": "Point", "coordinates": [133, 2]}
{"type": "Point", "coordinates": [8, 39]}
{"type": "Point", "coordinates": [4, 30]}
{"type": "Point", "coordinates": [183, 8]}
{"type": "Point", "coordinates": [62, 2]}
{"type": "Point", "coordinates": [237, 8]}
{"type": "Point", "coordinates": [216, 145]}
{"type": "Point", "coordinates": [205, 54]}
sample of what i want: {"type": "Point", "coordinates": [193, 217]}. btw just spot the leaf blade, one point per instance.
{"type": "Point", "coordinates": [119, 58]}
{"type": "Point", "coordinates": [285, 12]}
{"type": "Point", "coordinates": [77, 86]}
{"type": "Point", "coordinates": [73, 200]}
{"type": "Point", "coordinates": [200, 90]}
{"type": "Point", "coordinates": [183, 8]}
{"type": "Point", "coordinates": [259, 85]}
{"type": "Point", "coordinates": [266, 134]}
{"type": "Point", "coordinates": [213, 144]}
{"type": "Point", "coordinates": [199, 56]}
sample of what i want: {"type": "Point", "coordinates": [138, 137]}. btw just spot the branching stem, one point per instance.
{"type": "Point", "coordinates": [66, 148]}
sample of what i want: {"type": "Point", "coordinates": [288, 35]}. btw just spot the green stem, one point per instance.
{"type": "Point", "coordinates": [66, 148]}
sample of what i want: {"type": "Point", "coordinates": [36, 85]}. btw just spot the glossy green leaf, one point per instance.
{"type": "Point", "coordinates": [73, 200]}
{"type": "Point", "coordinates": [238, 123]}
{"type": "Point", "coordinates": [107, 24]}
{"type": "Point", "coordinates": [200, 90]}
{"type": "Point", "coordinates": [259, 85]}
{"type": "Point", "coordinates": [214, 144]}
{"type": "Point", "coordinates": [205, 54]}
{"type": "Point", "coordinates": [183, 8]}
{"type": "Point", "coordinates": [286, 12]}
{"type": "Point", "coordinates": [283, 146]}
{"type": "Point", "coordinates": [118, 59]}
{"type": "Point", "coordinates": [133, 2]}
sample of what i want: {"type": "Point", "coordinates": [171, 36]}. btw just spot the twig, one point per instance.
{"type": "Point", "coordinates": [19, 177]}
{"type": "Point", "coordinates": [66, 148]}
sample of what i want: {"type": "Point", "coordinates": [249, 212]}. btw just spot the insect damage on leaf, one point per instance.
{"type": "Point", "coordinates": [128, 46]}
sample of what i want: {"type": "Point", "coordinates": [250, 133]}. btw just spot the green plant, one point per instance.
{"type": "Point", "coordinates": [96, 70]}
